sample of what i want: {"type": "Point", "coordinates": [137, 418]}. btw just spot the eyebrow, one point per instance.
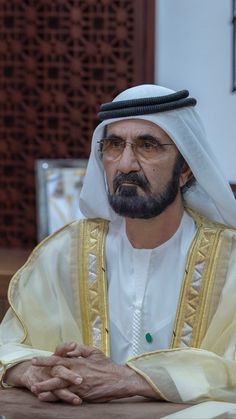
{"type": "Point", "coordinates": [147, 137]}
{"type": "Point", "coordinates": [113, 136]}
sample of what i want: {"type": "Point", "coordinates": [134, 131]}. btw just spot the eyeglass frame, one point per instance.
{"type": "Point", "coordinates": [133, 146]}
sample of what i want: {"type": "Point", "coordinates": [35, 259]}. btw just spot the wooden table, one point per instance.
{"type": "Point", "coordinates": [10, 261]}
{"type": "Point", "coordinates": [21, 404]}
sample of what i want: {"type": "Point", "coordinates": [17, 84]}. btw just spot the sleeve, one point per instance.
{"type": "Point", "coordinates": [13, 353]}
{"type": "Point", "coordinates": [12, 350]}
{"type": "Point", "coordinates": [42, 309]}
{"type": "Point", "coordinates": [188, 375]}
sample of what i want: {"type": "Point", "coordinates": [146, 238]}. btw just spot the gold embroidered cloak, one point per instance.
{"type": "Point", "coordinates": [60, 295]}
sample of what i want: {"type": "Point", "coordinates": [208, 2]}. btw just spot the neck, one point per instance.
{"type": "Point", "coordinates": [150, 233]}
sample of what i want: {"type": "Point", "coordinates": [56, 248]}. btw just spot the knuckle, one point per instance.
{"type": "Point", "coordinates": [55, 359]}
{"type": "Point", "coordinates": [59, 382]}
{"type": "Point", "coordinates": [57, 369]}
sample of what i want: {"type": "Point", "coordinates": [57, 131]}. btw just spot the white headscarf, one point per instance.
{"type": "Point", "coordinates": [211, 194]}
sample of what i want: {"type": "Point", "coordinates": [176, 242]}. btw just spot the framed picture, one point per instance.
{"type": "Point", "coordinates": [58, 186]}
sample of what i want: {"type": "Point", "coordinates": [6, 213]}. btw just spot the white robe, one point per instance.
{"type": "Point", "coordinates": [143, 290]}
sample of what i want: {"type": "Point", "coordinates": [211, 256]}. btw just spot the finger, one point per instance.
{"type": "Point", "coordinates": [84, 351]}
{"type": "Point", "coordinates": [68, 349]}
{"type": "Point", "coordinates": [48, 385]}
{"type": "Point", "coordinates": [74, 354]}
{"type": "Point", "coordinates": [64, 348]}
{"type": "Point", "coordinates": [66, 374]}
{"type": "Point", "coordinates": [47, 396]}
{"type": "Point", "coordinates": [67, 396]}
{"type": "Point", "coordinates": [80, 350]}
{"type": "Point", "coordinates": [51, 361]}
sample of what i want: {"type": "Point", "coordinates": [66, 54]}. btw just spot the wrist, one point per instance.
{"type": "Point", "coordinates": [14, 375]}
{"type": "Point", "coordinates": [140, 387]}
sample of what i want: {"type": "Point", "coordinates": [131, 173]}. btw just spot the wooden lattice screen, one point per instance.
{"type": "Point", "coordinates": [59, 59]}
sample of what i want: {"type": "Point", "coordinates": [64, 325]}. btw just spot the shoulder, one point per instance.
{"type": "Point", "coordinates": [57, 240]}
{"type": "Point", "coordinates": [50, 252]}
{"type": "Point", "coordinates": [203, 222]}
{"type": "Point", "coordinates": [59, 243]}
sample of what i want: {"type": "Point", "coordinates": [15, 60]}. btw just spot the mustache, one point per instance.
{"type": "Point", "coordinates": [134, 178]}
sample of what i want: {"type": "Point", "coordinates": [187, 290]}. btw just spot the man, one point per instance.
{"type": "Point", "coordinates": [147, 278]}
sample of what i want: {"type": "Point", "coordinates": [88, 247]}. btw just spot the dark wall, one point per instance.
{"type": "Point", "coordinates": [58, 61]}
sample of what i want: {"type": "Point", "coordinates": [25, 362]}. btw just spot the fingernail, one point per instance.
{"type": "Point", "coordinates": [76, 400]}
{"type": "Point", "coordinates": [78, 380]}
{"type": "Point", "coordinates": [33, 389]}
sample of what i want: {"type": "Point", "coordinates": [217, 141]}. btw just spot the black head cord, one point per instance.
{"type": "Point", "coordinates": [144, 106]}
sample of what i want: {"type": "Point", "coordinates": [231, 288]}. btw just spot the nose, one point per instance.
{"type": "Point", "coordinates": [128, 161]}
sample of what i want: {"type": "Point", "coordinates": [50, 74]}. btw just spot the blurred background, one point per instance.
{"type": "Point", "coordinates": [196, 49]}
{"type": "Point", "coordinates": [60, 59]}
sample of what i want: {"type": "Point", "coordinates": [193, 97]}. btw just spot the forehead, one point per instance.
{"type": "Point", "coordinates": [136, 127]}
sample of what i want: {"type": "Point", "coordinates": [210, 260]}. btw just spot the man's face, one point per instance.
{"type": "Point", "coordinates": [140, 187]}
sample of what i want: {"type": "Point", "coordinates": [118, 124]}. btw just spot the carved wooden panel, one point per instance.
{"type": "Point", "coordinates": [59, 59]}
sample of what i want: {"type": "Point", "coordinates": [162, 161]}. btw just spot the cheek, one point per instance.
{"type": "Point", "coordinates": [159, 176]}
{"type": "Point", "coordinates": [110, 174]}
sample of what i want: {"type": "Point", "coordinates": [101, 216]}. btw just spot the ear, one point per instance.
{"type": "Point", "coordinates": [185, 175]}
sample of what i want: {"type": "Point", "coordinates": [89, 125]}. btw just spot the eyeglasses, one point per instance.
{"type": "Point", "coordinates": [143, 148]}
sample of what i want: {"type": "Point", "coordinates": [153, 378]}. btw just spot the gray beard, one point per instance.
{"type": "Point", "coordinates": [127, 203]}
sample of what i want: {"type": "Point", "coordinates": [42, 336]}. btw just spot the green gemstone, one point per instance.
{"type": "Point", "coordinates": [148, 337]}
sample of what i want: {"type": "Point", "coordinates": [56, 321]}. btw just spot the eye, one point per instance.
{"type": "Point", "coordinates": [115, 142]}
{"type": "Point", "coordinates": [147, 145]}
{"type": "Point", "coordinates": [108, 144]}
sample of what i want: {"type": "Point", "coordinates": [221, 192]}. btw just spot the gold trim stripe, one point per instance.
{"type": "Point", "coordinates": [201, 323]}
{"type": "Point", "coordinates": [83, 275]}
{"type": "Point", "coordinates": [93, 289]}
{"type": "Point", "coordinates": [195, 303]}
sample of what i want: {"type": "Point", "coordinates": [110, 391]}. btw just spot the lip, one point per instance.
{"type": "Point", "coordinates": [126, 184]}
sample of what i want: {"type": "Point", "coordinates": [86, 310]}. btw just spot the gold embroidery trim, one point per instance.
{"type": "Point", "coordinates": [194, 303]}
{"type": "Point", "coordinates": [93, 290]}
{"type": "Point", "coordinates": [83, 275]}
{"type": "Point", "coordinates": [202, 314]}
